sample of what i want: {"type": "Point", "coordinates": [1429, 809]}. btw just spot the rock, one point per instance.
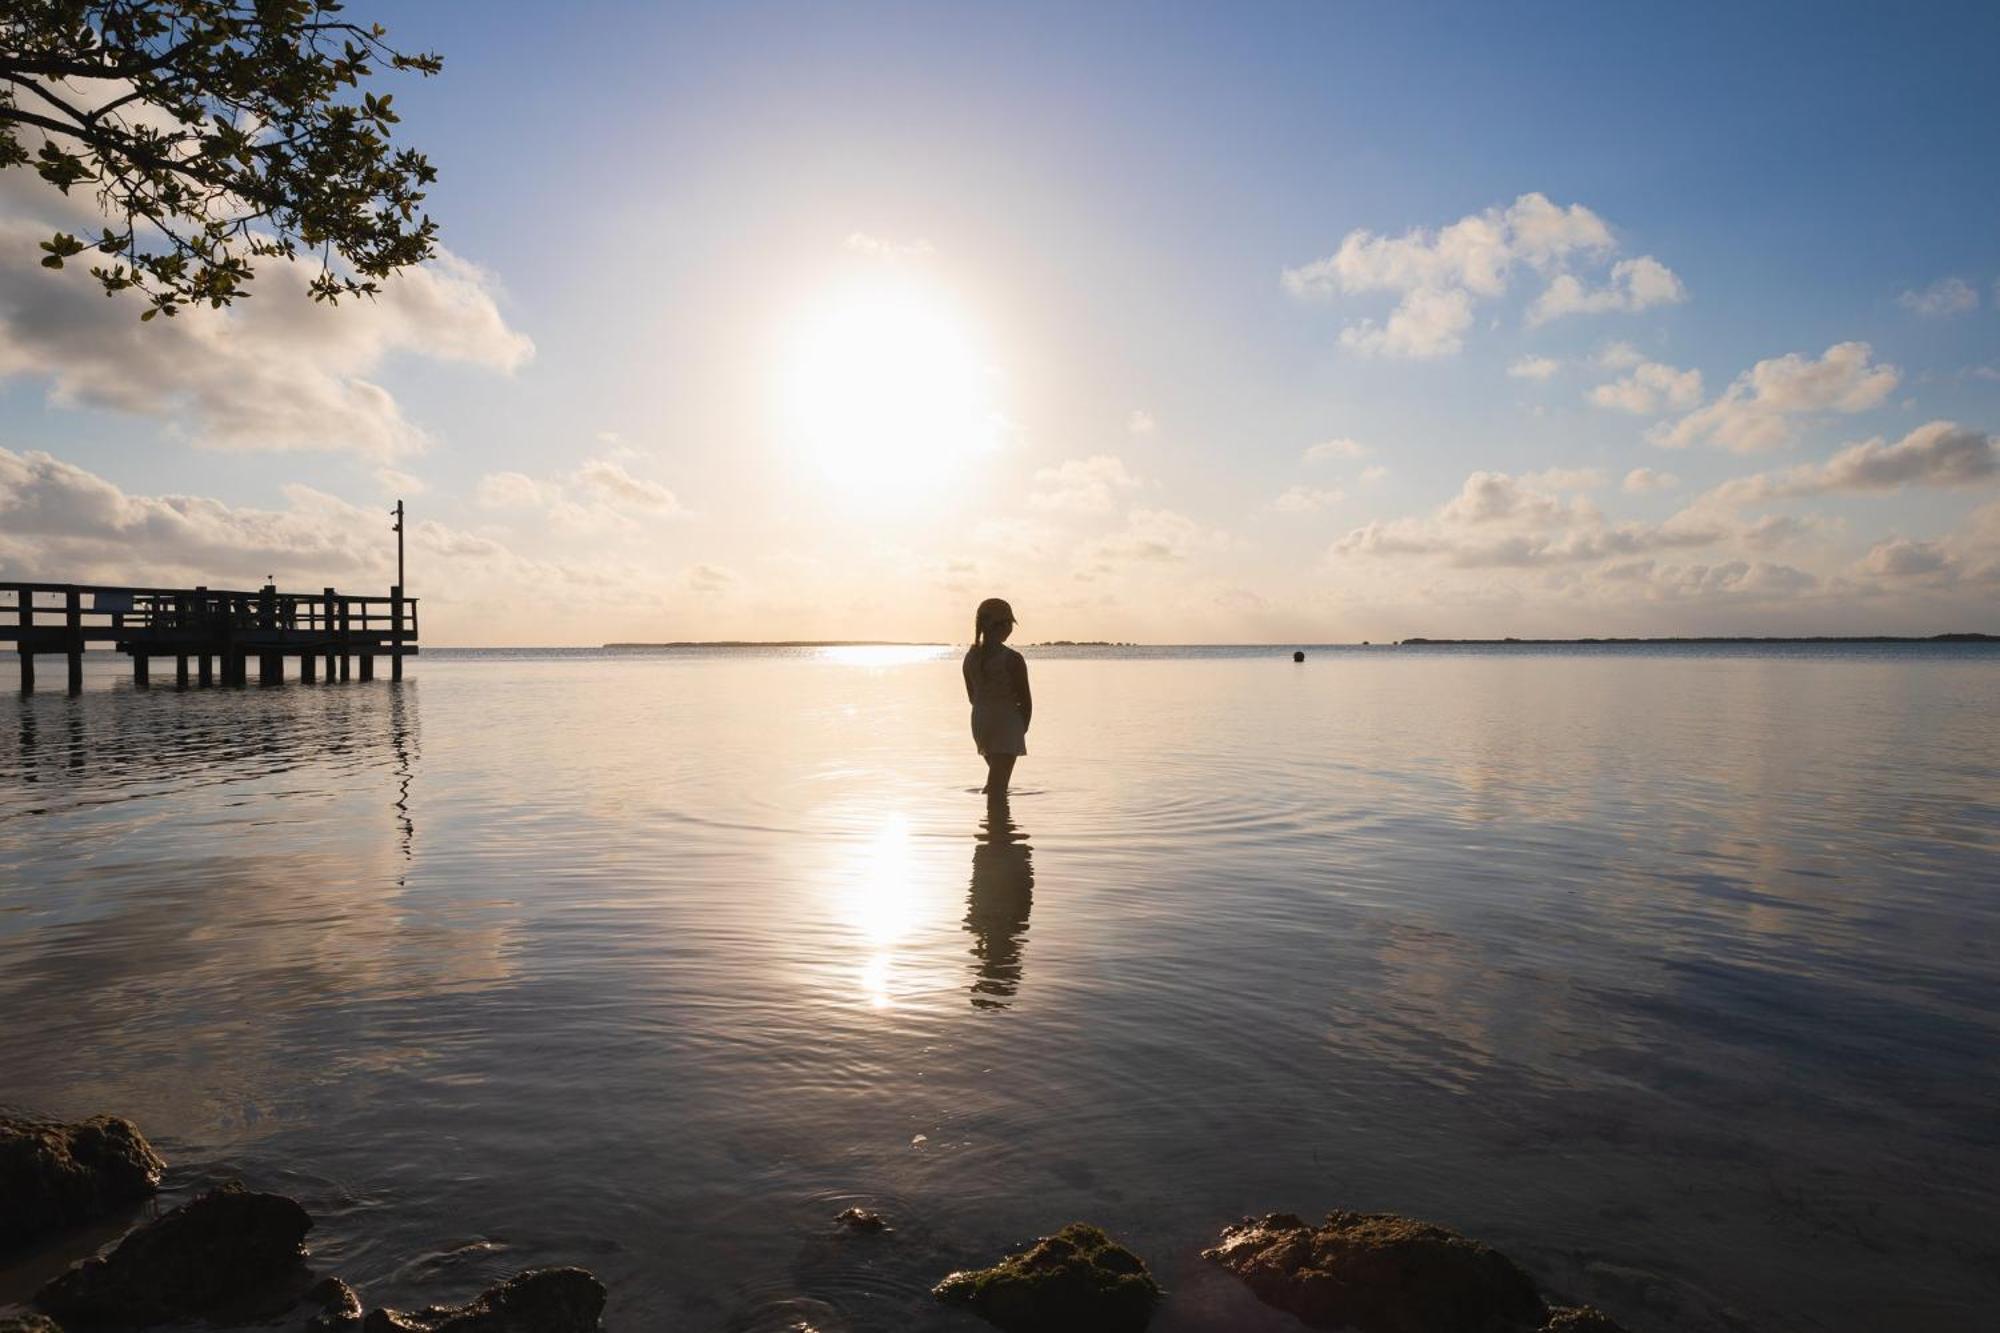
{"type": "Point", "coordinates": [338, 1308]}
{"type": "Point", "coordinates": [542, 1300]}
{"type": "Point", "coordinates": [1078, 1279]}
{"type": "Point", "coordinates": [30, 1323]}
{"type": "Point", "coordinates": [1381, 1274]}
{"type": "Point", "coordinates": [862, 1219]}
{"type": "Point", "coordinates": [224, 1250]}
{"type": "Point", "coordinates": [55, 1175]}
{"type": "Point", "coordinates": [1580, 1319]}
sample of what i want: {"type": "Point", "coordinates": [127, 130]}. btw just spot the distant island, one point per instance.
{"type": "Point", "coordinates": [780, 643]}
{"type": "Point", "coordinates": [1715, 638]}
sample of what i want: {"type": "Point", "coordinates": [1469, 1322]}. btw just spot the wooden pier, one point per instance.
{"type": "Point", "coordinates": [216, 631]}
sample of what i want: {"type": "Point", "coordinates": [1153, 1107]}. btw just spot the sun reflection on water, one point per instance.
{"type": "Point", "coordinates": [882, 904]}
{"type": "Point", "coordinates": [882, 654]}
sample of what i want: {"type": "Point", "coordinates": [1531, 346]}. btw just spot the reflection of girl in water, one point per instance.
{"type": "Point", "coordinates": [996, 681]}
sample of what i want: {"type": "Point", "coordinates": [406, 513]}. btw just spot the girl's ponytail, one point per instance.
{"type": "Point", "coordinates": [993, 608]}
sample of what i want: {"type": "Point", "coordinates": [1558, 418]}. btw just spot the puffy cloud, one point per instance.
{"type": "Point", "coordinates": [1326, 451]}
{"type": "Point", "coordinates": [876, 247]}
{"type": "Point", "coordinates": [1141, 423]}
{"type": "Point", "coordinates": [1946, 296]}
{"type": "Point", "coordinates": [1938, 453]}
{"type": "Point", "coordinates": [1488, 497]}
{"type": "Point", "coordinates": [1635, 284]}
{"type": "Point", "coordinates": [1899, 558]}
{"type": "Point", "coordinates": [1757, 410]}
{"type": "Point", "coordinates": [1619, 356]}
{"type": "Point", "coordinates": [1082, 485]}
{"type": "Point", "coordinates": [1307, 499]}
{"type": "Point", "coordinates": [1439, 276]}
{"type": "Point", "coordinates": [278, 372]}
{"type": "Point", "coordinates": [615, 483]}
{"type": "Point", "coordinates": [1534, 368]}
{"type": "Point", "coordinates": [1650, 387]}
{"type": "Point", "coordinates": [1642, 479]}
{"type": "Point", "coordinates": [1153, 536]}
{"type": "Point", "coordinates": [512, 490]}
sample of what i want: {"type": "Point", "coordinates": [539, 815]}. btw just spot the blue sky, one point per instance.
{"type": "Point", "coordinates": [603, 402]}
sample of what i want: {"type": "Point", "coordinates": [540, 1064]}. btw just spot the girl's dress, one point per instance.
{"type": "Point", "coordinates": [997, 724]}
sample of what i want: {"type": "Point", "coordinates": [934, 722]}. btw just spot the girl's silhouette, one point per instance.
{"type": "Point", "coordinates": [996, 681]}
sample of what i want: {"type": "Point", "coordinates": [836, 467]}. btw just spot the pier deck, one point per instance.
{"type": "Point", "coordinates": [216, 630]}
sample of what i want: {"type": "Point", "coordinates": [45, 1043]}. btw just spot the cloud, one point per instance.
{"type": "Point", "coordinates": [398, 482]}
{"type": "Point", "coordinates": [1937, 454]}
{"type": "Point", "coordinates": [1946, 296]}
{"type": "Point", "coordinates": [1371, 475]}
{"type": "Point", "coordinates": [1642, 479]}
{"type": "Point", "coordinates": [1756, 412]}
{"type": "Point", "coordinates": [1307, 499]}
{"type": "Point", "coordinates": [614, 483]}
{"type": "Point", "coordinates": [1635, 284]}
{"type": "Point", "coordinates": [1534, 368]}
{"type": "Point", "coordinates": [277, 372]}
{"type": "Point", "coordinates": [1141, 423]}
{"type": "Point", "coordinates": [512, 490]}
{"type": "Point", "coordinates": [1328, 450]}
{"type": "Point", "coordinates": [1899, 558]}
{"type": "Point", "coordinates": [1153, 537]}
{"type": "Point", "coordinates": [1619, 356]}
{"type": "Point", "coordinates": [1488, 497]}
{"type": "Point", "coordinates": [707, 579]}
{"type": "Point", "coordinates": [1439, 276]}
{"type": "Point", "coordinates": [1082, 485]}
{"type": "Point", "coordinates": [1650, 387]}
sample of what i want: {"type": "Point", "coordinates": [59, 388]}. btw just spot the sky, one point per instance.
{"type": "Point", "coordinates": [1202, 323]}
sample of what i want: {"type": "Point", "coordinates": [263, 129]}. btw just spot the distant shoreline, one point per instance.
{"type": "Point", "coordinates": [1709, 638]}
{"type": "Point", "coordinates": [1275, 645]}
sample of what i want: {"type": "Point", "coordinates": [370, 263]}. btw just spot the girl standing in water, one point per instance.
{"type": "Point", "coordinates": [996, 681]}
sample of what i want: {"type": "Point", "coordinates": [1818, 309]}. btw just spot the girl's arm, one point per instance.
{"type": "Point", "coordinates": [971, 694]}
{"type": "Point", "coordinates": [1019, 669]}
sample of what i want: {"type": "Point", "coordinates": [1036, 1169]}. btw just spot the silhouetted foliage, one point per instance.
{"type": "Point", "coordinates": [215, 132]}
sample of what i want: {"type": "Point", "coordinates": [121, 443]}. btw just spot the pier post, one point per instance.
{"type": "Point", "coordinates": [367, 666]}
{"type": "Point", "coordinates": [396, 632]}
{"type": "Point", "coordinates": [235, 668]}
{"type": "Point", "coordinates": [73, 607]}
{"type": "Point", "coordinates": [142, 671]}
{"type": "Point", "coordinates": [205, 676]}
{"type": "Point", "coordinates": [306, 665]}
{"type": "Point", "coordinates": [270, 669]}
{"type": "Point", "coordinates": [180, 671]}
{"type": "Point", "coordinates": [26, 602]}
{"type": "Point", "coordinates": [329, 625]}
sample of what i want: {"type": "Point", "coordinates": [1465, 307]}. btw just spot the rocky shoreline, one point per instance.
{"type": "Point", "coordinates": [234, 1256]}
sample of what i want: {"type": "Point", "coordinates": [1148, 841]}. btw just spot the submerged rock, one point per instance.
{"type": "Point", "coordinates": [542, 1300]}
{"type": "Point", "coordinates": [226, 1249]}
{"type": "Point", "coordinates": [55, 1175]}
{"type": "Point", "coordinates": [337, 1308]}
{"type": "Point", "coordinates": [1076, 1281]}
{"type": "Point", "coordinates": [1381, 1274]}
{"type": "Point", "coordinates": [30, 1323]}
{"type": "Point", "coordinates": [1580, 1319]}
{"type": "Point", "coordinates": [862, 1219]}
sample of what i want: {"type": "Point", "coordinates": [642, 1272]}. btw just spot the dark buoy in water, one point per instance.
{"type": "Point", "coordinates": [1299, 656]}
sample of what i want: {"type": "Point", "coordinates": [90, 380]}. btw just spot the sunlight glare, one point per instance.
{"type": "Point", "coordinates": [883, 386]}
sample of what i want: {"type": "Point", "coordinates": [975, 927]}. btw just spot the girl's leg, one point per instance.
{"type": "Point", "coordinates": [999, 771]}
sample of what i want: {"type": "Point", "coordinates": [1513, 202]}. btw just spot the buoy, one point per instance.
{"type": "Point", "coordinates": [1299, 656]}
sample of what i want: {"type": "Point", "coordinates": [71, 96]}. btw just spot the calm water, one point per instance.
{"type": "Point", "coordinates": [1673, 974]}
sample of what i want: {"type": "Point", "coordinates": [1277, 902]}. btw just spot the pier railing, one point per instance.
{"type": "Point", "coordinates": [210, 627]}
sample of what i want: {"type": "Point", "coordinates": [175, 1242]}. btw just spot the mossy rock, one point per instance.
{"type": "Point", "coordinates": [1076, 1281]}
{"type": "Point", "coordinates": [1580, 1319]}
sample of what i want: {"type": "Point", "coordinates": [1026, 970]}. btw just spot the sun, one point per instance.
{"type": "Point", "coordinates": [883, 386]}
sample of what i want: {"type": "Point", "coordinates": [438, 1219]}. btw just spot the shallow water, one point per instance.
{"type": "Point", "coordinates": [1673, 974]}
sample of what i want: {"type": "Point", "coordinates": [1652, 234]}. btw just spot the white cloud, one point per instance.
{"type": "Point", "coordinates": [1534, 368]}
{"type": "Point", "coordinates": [1619, 356]}
{"type": "Point", "coordinates": [1328, 450]}
{"type": "Point", "coordinates": [277, 372]}
{"type": "Point", "coordinates": [876, 247]}
{"type": "Point", "coordinates": [1371, 475]}
{"type": "Point", "coordinates": [1899, 558]}
{"type": "Point", "coordinates": [1488, 497]}
{"type": "Point", "coordinates": [1635, 284]}
{"type": "Point", "coordinates": [1650, 387]}
{"type": "Point", "coordinates": [614, 483]}
{"type": "Point", "coordinates": [1082, 485]}
{"type": "Point", "coordinates": [1565, 479]}
{"type": "Point", "coordinates": [398, 482]}
{"type": "Point", "coordinates": [1438, 276]}
{"type": "Point", "coordinates": [1756, 411]}
{"type": "Point", "coordinates": [1937, 454]}
{"type": "Point", "coordinates": [1141, 423]}
{"type": "Point", "coordinates": [1307, 499]}
{"type": "Point", "coordinates": [1946, 296]}
{"type": "Point", "coordinates": [1153, 537]}
{"type": "Point", "coordinates": [512, 490]}
{"type": "Point", "coordinates": [1642, 479]}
